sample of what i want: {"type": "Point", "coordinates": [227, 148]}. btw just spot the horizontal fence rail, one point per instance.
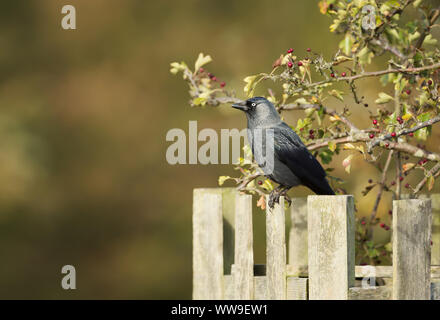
{"type": "Point", "coordinates": [320, 260]}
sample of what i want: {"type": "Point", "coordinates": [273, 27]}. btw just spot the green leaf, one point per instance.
{"type": "Point", "coordinates": [346, 44]}
{"type": "Point", "coordinates": [383, 98]}
{"type": "Point", "coordinates": [326, 156]}
{"type": "Point", "coordinates": [337, 94]}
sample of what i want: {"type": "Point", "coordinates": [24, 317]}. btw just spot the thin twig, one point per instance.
{"type": "Point", "coordinates": [381, 185]}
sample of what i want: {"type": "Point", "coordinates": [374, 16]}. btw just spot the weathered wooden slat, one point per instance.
{"type": "Point", "coordinates": [411, 249]}
{"type": "Point", "coordinates": [331, 246]}
{"type": "Point", "coordinates": [362, 271]}
{"type": "Point", "coordinates": [435, 290]}
{"type": "Point", "coordinates": [207, 245]}
{"type": "Point", "coordinates": [371, 293]}
{"type": "Point", "coordinates": [243, 274]}
{"type": "Point", "coordinates": [435, 206]}
{"type": "Point", "coordinates": [276, 252]}
{"type": "Point", "coordinates": [298, 236]}
{"type": "Point", "coordinates": [435, 249]}
{"type": "Point", "coordinates": [296, 288]}
{"type": "Point", "coordinates": [229, 286]}
{"type": "Point", "coordinates": [260, 288]}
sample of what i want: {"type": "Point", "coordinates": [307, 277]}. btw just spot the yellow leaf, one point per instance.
{"type": "Point", "coordinates": [332, 146]}
{"type": "Point", "coordinates": [201, 61]}
{"type": "Point", "coordinates": [431, 181]}
{"type": "Point", "coordinates": [408, 166]}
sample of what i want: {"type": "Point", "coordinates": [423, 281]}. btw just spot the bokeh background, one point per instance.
{"type": "Point", "coordinates": [83, 119]}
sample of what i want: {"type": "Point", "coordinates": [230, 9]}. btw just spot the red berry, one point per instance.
{"type": "Point", "coordinates": [343, 74]}
{"type": "Point", "coordinates": [375, 122]}
{"type": "Point", "coordinates": [408, 92]}
{"type": "Point", "coordinates": [290, 50]}
{"type": "Point", "coordinates": [214, 78]}
{"type": "Point", "coordinates": [411, 134]}
{"type": "Point", "coordinates": [201, 70]}
{"type": "Point", "coordinates": [382, 225]}
{"type": "Point", "coordinates": [387, 145]}
{"type": "Point", "coordinates": [387, 228]}
{"type": "Point", "coordinates": [223, 84]}
{"type": "Point", "coordinates": [429, 82]}
{"type": "Point", "coordinates": [363, 222]}
{"type": "Point", "coordinates": [370, 181]}
{"type": "Point", "coordinates": [312, 131]}
{"type": "Point", "coordinates": [308, 49]}
{"type": "Point", "coordinates": [371, 135]}
{"type": "Point", "coordinates": [290, 64]}
{"type": "Point", "coordinates": [393, 183]}
{"type": "Point", "coordinates": [260, 182]}
{"type": "Point", "coordinates": [401, 178]}
{"type": "Point", "coordinates": [312, 136]}
{"type": "Point", "coordinates": [425, 161]}
{"type": "Point", "coordinates": [300, 63]}
{"type": "Point", "coordinates": [332, 75]}
{"type": "Point", "coordinates": [393, 134]}
{"type": "Point", "coordinates": [407, 185]}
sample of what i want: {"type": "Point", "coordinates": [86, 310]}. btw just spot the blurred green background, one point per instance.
{"type": "Point", "coordinates": [83, 118]}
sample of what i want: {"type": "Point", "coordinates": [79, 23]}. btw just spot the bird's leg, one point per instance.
{"type": "Point", "coordinates": [284, 193]}
{"type": "Point", "coordinates": [274, 196]}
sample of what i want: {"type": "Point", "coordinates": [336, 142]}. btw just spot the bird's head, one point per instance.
{"type": "Point", "coordinates": [258, 109]}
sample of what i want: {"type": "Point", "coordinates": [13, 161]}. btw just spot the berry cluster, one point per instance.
{"type": "Point", "coordinates": [211, 76]}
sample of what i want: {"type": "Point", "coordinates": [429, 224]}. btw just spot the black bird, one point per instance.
{"type": "Point", "coordinates": [293, 164]}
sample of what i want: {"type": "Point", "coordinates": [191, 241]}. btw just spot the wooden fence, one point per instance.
{"type": "Point", "coordinates": [320, 264]}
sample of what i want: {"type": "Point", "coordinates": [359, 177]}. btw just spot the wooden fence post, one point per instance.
{"type": "Point", "coordinates": [330, 247]}
{"type": "Point", "coordinates": [207, 245]}
{"type": "Point", "coordinates": [298, 237]}
{"type": "Point", "coordinates": [276, 251]}
{"type": "Point", "coordinates": [243, 268]}
{"type": "Point", "coordinates": [435, 249]}
{"type": "Point", "coordinates": [411, 249]}
{"type": "Point", "coordinates": [435, 206]}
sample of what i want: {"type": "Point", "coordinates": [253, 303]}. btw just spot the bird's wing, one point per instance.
{"type": "Point", "coordinates": [291, 151]}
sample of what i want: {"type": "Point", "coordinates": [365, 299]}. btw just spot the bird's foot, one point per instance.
{"type": "Point", "coordinates": [275, 195]}
{"type": "Point", "coordinates": [273, 198]}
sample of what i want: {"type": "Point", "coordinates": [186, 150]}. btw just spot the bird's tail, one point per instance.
{"type": "Point", "coordinates": [322, 188]}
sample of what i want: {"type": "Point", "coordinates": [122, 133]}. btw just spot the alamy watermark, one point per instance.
{"type": "Point", "coordinates": [68, 282]}
{"type": "Point", "coordinates": [69, 19]}
{"type": "Point", "coordinates": [185, 148]}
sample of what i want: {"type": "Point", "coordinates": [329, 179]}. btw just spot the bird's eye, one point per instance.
{"type": "Point", "coordinates": [253, 104]}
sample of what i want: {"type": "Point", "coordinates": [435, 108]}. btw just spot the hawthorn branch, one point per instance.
{"type": "Point", "coordinates": [435, 171]}
{"type": "Point", "coordinates": [372, 74]}
{"type": "Point", "coordinates": [403, 132]}
{"type": "Point", "coordinates": [326, 111]}
{"type": "Point", "coordinates": [432, 19]}
{"type": "Point", "coordinates": [381, 185]}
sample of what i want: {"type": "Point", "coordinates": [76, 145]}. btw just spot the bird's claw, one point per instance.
{"type": "Point", "coordinates": [275, 197]}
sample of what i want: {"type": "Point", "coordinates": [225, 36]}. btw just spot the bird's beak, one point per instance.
{"type": "Point", "coordinates": [240, 106]}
